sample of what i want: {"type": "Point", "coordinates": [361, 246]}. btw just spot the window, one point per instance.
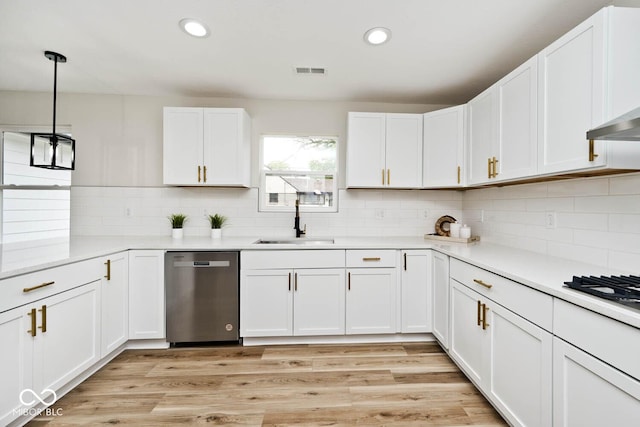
{"type": "Point", "coordinates": [298, 168]}
{"type": "Point", "coordinates": [36, 202]}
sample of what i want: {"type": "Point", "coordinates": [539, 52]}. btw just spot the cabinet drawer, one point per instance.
{"type": "Point", "coordinates": [533, 305]}
{"type": "Point", "coordinates": [24, 289]}
{"type": "Point", "coordinates": [371, 258]}
{"type": "Point", "coordinates": [260, 260]}
{"type": "Point", "coordinates": [611, 341]}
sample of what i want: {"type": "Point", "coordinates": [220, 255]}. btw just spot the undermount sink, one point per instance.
{"type": "Point", "coordinates": [295, 241]}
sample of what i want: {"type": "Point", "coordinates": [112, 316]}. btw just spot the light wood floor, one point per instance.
{"type": "Point", "coordinates": [314, 385]}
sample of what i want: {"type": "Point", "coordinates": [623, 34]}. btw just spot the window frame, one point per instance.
{"type": "Point", "coordinates": [262, 189]}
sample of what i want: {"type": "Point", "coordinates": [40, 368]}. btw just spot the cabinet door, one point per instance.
{"type": "Point", "coordinates": [146, 295]}
{"type": "Point", "coordinates": [16, 360]}
{"type": "Point", "coordinates": [588, 392]}
{"type": "Point", "coordinates": [517, 149]}
{"type": "Point", "coordinates": [403, 150]}
{"type": "Point", "coordinates": [520, 367]}
{"type": "Point", "coordinates": [182, 145]}
{"type": "Point", "coordinates": [226, 147]}
{"type": "Point", "coordinates": [440, 282]}
{"type": "Point", "coordinates": [443, 147]}
{"type": "Point", "coordinates": [71, 342]}
{"type": "Point", "coordinates": [482, 134]}
{"type": "Point", "coordinates": [571, 97]}
{"type": "Point", "coordinates": [266, 303]}
{"type": "Point", "coordinates": [115, 302]}
{"type": "Point", "coordinates": [468, 340]}
{"type": "Point", "coordinates": [416, 291]}
{"type": "Point", "coordinates": [319, 302]}
{"type": "Point", "coordinates": [366, 150]}
{"type": "Point", "coordinates": [371, 301]}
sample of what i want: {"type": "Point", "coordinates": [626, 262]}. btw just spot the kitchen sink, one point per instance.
{"type": "Point", "coordinates": [295, 241]}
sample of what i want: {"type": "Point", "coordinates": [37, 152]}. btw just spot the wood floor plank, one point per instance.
{"type": "Point", "coordinates": [407, 384]}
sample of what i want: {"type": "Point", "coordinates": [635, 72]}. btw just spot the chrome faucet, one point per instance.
{"type": "Point", "coordinates": [296, 221]}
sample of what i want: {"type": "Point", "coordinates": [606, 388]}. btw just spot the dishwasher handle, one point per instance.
{"type": "Point", "coordinates": [201, 264]}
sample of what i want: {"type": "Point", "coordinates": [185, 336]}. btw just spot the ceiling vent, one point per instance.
{"type": "Point", "coordinates": [310, 71]}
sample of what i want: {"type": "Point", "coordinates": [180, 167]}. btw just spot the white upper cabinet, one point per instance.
{"type": "Point", "coordinates": [443, 147]}
{"type": "Point", "coordinates": [206, 146]}
{"type": "Point", "coordinates": [503, 128]}
{"type": "Point", "coordinates": [384, 150]}
{"type": "Point", "coordinates": [587, 77]}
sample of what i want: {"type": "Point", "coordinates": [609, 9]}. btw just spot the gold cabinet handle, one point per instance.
{"type": "Point", "coordinates": [382, 176]}
{"type": "Point", "coordinates": [458, 174]}
{"type": "Point", "coordinates": [198, 173]}
{"type": "Point", "coordinates": [371, 259]}
{"type": "Point", "coordinates": [108, 264]}
{"type": "Point", "coordinates": [295, 282]}
{"type": "Point", "coordinates": [43, 310]}
{"type": "Point", "coordinates": [481, 283]}
{"type": "Point", "coordinates": [484, 316]}
{"type": "Point", "coordinates": [388, 176]}
{"type": "Point", "coordinates": [478, 313]}
{"type": "Point", "coordinates": [289, 282]}
{"type": "Point", "coordinates": [33, 288]}
{"type": "Point", "coordinates": [33, 329]}
{"type": "Point", "coordinates": [204, 174]}
{"type": "Point", "coordinates": [349, 281]}
{"type": "Point", "coordinates": [495, 169]}
{"type": "Point", "coordinates": [592, 148]}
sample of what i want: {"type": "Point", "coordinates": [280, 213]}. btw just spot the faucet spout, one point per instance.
{"type": "Point", "coordinates": [296, 221]}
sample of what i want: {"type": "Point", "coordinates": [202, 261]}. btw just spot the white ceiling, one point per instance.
{"type": "Point", "coordinates": [441, 51]}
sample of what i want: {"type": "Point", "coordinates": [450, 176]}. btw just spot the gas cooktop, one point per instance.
{"type": "Point", "coordinates": [621, 289]}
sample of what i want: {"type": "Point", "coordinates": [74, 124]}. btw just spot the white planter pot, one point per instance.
{"type": "Point", "coordinates": [177, 233]}
{"type": "Point", "coordinates": [216, 233]}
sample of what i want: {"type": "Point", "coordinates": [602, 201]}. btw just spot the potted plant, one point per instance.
{"type": "Point", "coordinates": [177, 222]}
{"type": "Point", "coordinates": [217, 221]}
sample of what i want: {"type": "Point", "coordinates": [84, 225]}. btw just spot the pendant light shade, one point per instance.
{"type": "Point", "coordinates": [53, 150]}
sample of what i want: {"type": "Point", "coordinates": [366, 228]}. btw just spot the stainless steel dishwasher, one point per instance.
{"type": "Point", "coordinates": [202, 296]}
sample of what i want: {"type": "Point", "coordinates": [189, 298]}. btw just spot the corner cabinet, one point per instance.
{"type": "Point", "coordinates": [384, 150]}
{"type": "Point", "coordinates": [507, 356]}
{"type": "Point", "coordinates": [588, 77]}
{"type": "Point", "coordinates": [443, 147]}
{"type": "Point", "coordinates": [206, 146]}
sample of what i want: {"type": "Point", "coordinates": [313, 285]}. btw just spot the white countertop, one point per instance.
{"type": "Point", "coordinates": [538, 271]}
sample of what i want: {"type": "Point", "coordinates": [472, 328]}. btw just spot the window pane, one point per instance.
{"type": "Point", "coordinates": [286, 153]}
{"type": "Point", "coordinates": [313, 190]}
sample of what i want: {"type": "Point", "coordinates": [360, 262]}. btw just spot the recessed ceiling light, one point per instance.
{"type": "Point", "coordinates": [378, 35]}
{"type": "Point", "coordinates": [194, 27]}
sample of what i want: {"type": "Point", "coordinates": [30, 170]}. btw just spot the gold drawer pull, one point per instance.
{"type": "Point", "coordinates": [43, 310]}
{"type": "Point", "coordinates": [479, 315]}
{"type": "Point", "coordinates": [33, 329]}
{"type": "Point", "coordinates": [199, 173]}
{"type": "Point", "coordinates": [481, 283]}
{"type": "Point", "coordinates": [484, 316]}
{"type": "Point", "coordinates": [33, 288]}
{"type": "Point", "coordinates": [108, 264]}
{"type": "Point", "coordinates": [371, 258]}
{"type": "Point", "coordinates": [204, 174]}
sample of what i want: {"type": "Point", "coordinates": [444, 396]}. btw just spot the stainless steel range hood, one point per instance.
{"type": "Point", "coordinates": [623, 128]}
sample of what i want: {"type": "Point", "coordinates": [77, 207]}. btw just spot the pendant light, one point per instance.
{"type": "Point", "coordinates": [53, 150]}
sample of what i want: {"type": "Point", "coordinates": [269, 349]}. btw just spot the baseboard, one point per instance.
{"type": "Point", "coordinates": [338, 339]}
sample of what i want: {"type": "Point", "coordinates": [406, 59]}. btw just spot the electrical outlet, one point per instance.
{"type": "Point", "coordinates": [127, 212]}
{"type": "Point", "coordinates": [482, 215]}
{"type": "Point", "coordinates": [425, 213]}
{"type": "Point", "coordinates": [379, 213]}
{"type": "Point", "coordinates": [550, 220]}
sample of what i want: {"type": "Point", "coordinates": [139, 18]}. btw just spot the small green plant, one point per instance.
{"type": "Point", "coordinates": [217, 221]}
{"type": "Point", "coordinates": [177, 220]}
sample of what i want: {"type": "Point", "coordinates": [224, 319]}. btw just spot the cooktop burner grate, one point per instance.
{"type": "Point", "coordinates": [622, 289]}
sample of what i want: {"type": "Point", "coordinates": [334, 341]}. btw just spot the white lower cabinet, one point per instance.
{"type": "Point", "coordinates": [506, 356]}
{"type": "Point", "coordinates": [146, 294]}
{"type": "Point", "coordinates": [588, 392]}
{"type": "Point", "coordinates": [115, 302]}
{"type": "Point", "coordinates": [440, 298]}
{"type": "Point", "coordinates": [52, 341]}
{"type": "Point", "coordinates": [298, 302]}
{"type": "Point", "coordinates": [416, 291]}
